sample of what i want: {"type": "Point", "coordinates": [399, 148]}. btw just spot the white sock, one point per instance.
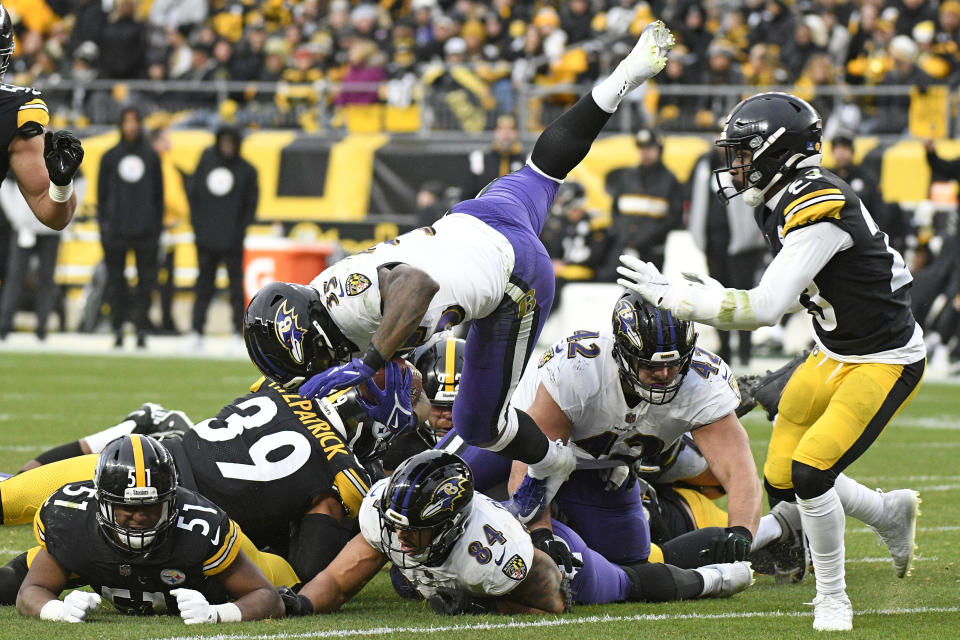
{"type": "Point", "coordinates": [610, 91]}
{"type": "Point", "coordinates": [768, 531]}
{"type": "Point", "coordinates": [712, 580]}
{"type": "Point", "coordinates": [546, 467]}
{"type": "Point", "coordinates": [99, 440]}
{"type": "Point", "coordinates": [823, 522]}
{"type": "Point", "coordinates": [859, 501]}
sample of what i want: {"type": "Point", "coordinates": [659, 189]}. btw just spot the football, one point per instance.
{"type": "Point", "coordinates": [379, 379]}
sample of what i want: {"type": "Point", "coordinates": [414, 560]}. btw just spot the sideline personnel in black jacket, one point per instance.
{"type": "Point", "coordinates": [223, 197]}
{"type": "Point", "coordinates": [130, 195]}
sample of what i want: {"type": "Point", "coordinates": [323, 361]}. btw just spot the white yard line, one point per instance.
{"type": "Point", "coordinates": [554, 622]}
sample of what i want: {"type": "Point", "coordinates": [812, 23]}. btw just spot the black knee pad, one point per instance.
{"type": "Point", "coordinates": [529, 445]}
{"type": "Point", "coordinates": [776, 496]}
{"type": "Point", "coordinates": [11, 577]}
{"type": "Point", "coordinates": [662, 582]}
{"type": "Point", "coordinates": [810, 482]}
{"type": "Point", "coordinates": [686, 551]}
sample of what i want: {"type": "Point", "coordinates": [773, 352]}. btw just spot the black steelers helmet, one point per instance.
{"type": "Point", "coordinates": [7, 44]}
{"type": "Point", "coordinates": [780, 131]}
{"type": "Point", "coordinates": [368, 439]}
{"type": "Point", "coordinates": [646, 337]}
{"type": "Point", "coordinates": [429, 491]}
{"type": "Point", "coordinates": [290, 336]}
{"type": "Point", "coordinates": [138, 472]}
{"type": "Point", "coordinates": [441, 364]}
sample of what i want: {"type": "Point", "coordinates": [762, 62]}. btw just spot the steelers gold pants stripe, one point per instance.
{"type": "Point", "coordinates": [832, 411]}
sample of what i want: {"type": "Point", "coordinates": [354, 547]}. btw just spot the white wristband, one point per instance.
{"type": "Point", "coordinates": [228, 612]}
{"type": "Point", "coordinates": [52, 610]}
{"type": "Point", "coordinates": [60, 194]}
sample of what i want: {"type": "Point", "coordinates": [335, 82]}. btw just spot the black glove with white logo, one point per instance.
{"type": "Point", "coordinates": [558, 551]}
{"type": "Point", "coordinates": [62, 153]}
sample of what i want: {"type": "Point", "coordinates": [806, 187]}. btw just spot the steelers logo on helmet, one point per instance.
{"type": "Point", "coordinates": [446, 496]}
{"type": "Point", "coordinates": [289, 332]}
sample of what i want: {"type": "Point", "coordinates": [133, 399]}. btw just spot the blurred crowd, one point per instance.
{"type": "Point", "coordinates": [475, 54]}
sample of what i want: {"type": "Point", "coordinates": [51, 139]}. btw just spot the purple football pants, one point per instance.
{"type": "Point", "coordinates": [499, 345]}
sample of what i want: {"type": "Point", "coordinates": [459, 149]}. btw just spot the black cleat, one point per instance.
{"type": "Point", "coordinates": [766, 390]}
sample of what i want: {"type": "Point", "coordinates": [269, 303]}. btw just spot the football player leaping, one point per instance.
{"type": "Point", "coordinates": [44, 165]}
{"type": "Point", "coordinates": [869, 359]}
{"type": "Point", "coordinates": [483, 262]}
{"type": "Point", "coordinates": [465, 553]}
{"type": "Point", "coordinates": [143, 542]}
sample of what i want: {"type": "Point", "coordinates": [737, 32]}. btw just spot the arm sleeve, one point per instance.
{"type": "Point", "coordinates": [224, 554]}
{"type": "Point", "coordinates": [805, 252]}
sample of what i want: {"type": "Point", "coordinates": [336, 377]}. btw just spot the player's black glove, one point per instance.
{"type": "Point", "coordinates": [558, 551]}
{"type": "Point", "coordinates": [732, 545]}
{"type": "Point", "coordinates": [62, 153]}
{"type": "Point", "coordinates": [295, 604]}
{"type": "Point", "coordinates": [454, 602]}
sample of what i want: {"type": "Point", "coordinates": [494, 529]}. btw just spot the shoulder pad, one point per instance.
{"type": "Point", "coordinates": [810, 198]}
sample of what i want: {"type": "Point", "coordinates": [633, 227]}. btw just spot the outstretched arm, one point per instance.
{"type": "Point", "coordinates": [353, 567]}
{"type": "Point", "coordinates": [805, 252]}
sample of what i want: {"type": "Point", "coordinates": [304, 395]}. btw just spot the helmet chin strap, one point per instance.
{"type": "Point", "coordinates": [754, 196]}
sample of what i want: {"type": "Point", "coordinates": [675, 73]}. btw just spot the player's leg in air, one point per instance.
{"type": "Point", "coordinates": [500, 344]}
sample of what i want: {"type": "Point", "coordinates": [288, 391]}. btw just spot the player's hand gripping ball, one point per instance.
{"type": "Point", "coordinates": [379, 379]}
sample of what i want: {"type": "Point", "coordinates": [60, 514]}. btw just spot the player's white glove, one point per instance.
{"type": "Point", "coordinates": [73, 608]}
{"type": "Point", "coordinates": [194, 608]}
{"type": "Point", "coordinates": [645, 279]}
{"type": "Point", "coordinates": [693, 297]}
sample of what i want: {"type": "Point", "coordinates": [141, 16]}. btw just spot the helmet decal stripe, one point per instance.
{"type": "Point", "coordinates": [673, 330]}
{"type": "Point", "coordinates": [659, 327]}
{"type": "Point", "coordinates": [409, 492]}
{"type": "Point", "coordinates": [137, 445]}
{"type": "Point", "coordinates": [450, 362]}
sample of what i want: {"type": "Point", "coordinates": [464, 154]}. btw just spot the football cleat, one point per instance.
{"type": "Point", "coordinates": [832, 613]}
{"type": "Point", "coordinates": [542, 482]}
{"type": "Point", "coordinates": [724, 580]}
{"type": "Point", "coordinates": [898, 529]}
{"type": "Point", "coordinates": [648, 57]}
{"type": "Point", "coordinates": [788, 558]}
{"type": "Point", "coordinates": [766, 390]}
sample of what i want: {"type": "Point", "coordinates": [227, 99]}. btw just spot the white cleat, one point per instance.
{"type": "Point", "coordinates": [832, 613]}
{"type": "Point", "coordinates": [899, 527]}
{"type": "Point", "coordinates": [649, 55]}
{"type": "Point", "coordinates": [733, 578]}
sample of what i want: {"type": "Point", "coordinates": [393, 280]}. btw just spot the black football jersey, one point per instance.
{"type": "Point", "coordinates": [202, 542]}
{"type": "Point", "coordinates": [264, 457]}
{"type": "Point", "coordinates": [22, 113]}
{"type": "Point", "coordinates": [863, 303]}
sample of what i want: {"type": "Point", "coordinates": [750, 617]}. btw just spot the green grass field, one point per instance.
{"type": "Point", "coordinates": [47, 399]}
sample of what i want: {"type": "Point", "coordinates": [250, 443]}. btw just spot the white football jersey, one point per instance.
{"type": "Point", "coordinates": [470, 260]}
{"type": "Point", "coordinates": [491, 558]}
{"type": "Point", "coordinates": [582, 377]}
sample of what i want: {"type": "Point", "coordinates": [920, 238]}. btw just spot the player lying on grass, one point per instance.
{"type": "Point", "coordinates": [144, 543]}
{"type": "Point", "coordinates": [465, 553]}
{"type": "Point", "coordinates": [288, 455]}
